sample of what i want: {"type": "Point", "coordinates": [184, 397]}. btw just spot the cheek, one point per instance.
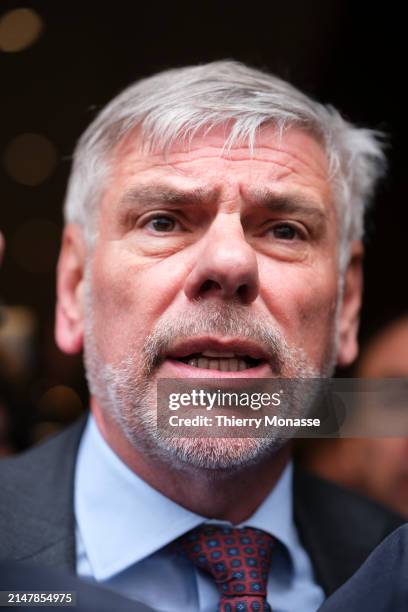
{"type": "Point", "coordinates": [130, 295]}
{"type": "Point", "coordinates": [303, 302]}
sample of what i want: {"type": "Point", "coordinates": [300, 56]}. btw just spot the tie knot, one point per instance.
{"type": "Point", "coordinates": [237, 558]}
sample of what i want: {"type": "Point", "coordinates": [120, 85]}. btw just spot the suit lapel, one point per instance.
{"type": "Point", "coordinates": [37, 517]}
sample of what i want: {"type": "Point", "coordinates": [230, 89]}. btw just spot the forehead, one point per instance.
{"type": "Point", "coordinates": [293, 143]}
{"type": "Point", "coordinates": [294, 160]}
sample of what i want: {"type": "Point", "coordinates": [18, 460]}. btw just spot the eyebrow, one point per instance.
{"type": "Point", "coordinates": [286, 204]}
{"type": "Point", "coordinates": [163, 194]}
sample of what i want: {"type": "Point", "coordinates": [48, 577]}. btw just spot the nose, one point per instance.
{"type": "Point", "coordinates": [226, 266]}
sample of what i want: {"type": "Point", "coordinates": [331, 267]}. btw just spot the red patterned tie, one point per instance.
{"type": "Point", "coordinates": [237, 558]}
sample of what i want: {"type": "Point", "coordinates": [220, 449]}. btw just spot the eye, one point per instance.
{"type": "Point", "coordinates": [162, 223]}
{"type": "Point", "coordinates": [285, 231]}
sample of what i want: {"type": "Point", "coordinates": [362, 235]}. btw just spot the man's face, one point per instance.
{"type": "Point", "coordinates": [210, 265]}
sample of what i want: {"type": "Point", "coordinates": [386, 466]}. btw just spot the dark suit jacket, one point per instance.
{"type": "Point", "coordinates": [17, 576]}
{"type": "Point", "coordinates": [381, 584]}
{"type": "Point", "coordinates": [338, 528]}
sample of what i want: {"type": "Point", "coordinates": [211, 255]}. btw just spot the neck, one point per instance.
{"type": "Point", "coordinates": [230, 495]}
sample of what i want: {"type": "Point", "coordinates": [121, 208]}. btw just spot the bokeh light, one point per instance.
{"type": "Point", "coordinates": [19, 29]}
{"type": "Point", "coordinates": [30, 159]}
{"type": "Point", "coordinates": [17, 332]}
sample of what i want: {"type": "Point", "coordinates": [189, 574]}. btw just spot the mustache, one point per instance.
{"type": "Point", "coordinates": [219, 320]}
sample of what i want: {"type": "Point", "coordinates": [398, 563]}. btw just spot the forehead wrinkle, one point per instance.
{"type": "Point", "coordinates": [175, 158]}
{"type": "Point", "coordinates": [179, 148]}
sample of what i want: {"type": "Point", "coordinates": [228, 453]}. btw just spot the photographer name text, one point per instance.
{"type": "Point", "coordinates": [232, 421]}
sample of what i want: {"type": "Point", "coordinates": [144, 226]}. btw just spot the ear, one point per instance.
{"type": "Point", "coordinates": [349, 316]}
{"type": "Point", "coordinates": [70, 277]}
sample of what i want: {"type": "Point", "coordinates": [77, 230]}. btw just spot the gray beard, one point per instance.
{"type": "Point", "coordinates": [127, 390]}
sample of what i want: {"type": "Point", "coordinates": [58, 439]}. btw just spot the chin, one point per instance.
{"type": "Point", "coordinates": [220, 455]}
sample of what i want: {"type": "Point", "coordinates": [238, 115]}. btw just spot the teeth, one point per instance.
{"type": "Point", "coordinates": [234, 364]}
{"type": "Point", "coordinates": [224, 365]}
{"type": "Point", "coordinates": [218, 355]}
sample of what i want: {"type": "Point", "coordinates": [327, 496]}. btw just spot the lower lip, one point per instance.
{"type": "Point", "coordinates": [172, 368]}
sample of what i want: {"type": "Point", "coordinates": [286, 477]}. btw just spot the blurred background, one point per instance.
{"type": "Point", "coordinates": [62, 61]}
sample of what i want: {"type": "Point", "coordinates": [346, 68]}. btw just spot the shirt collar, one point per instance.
{"type": "Point", "coordinates": [122, 519]}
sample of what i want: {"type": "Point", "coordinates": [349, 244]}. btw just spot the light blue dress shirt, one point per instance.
{"type": "Point", "coordinates": [123, 527]}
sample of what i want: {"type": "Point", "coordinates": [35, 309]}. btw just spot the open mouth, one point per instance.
{"type": "Point", "coordinates": [222, 354]}
{"type": "Point", "coordinates": [223, 363]}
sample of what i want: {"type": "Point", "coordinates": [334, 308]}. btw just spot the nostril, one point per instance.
{"type": "Point", "coordinates": [243, 291]}
{"type": "Point", "coordinates": [208, 285]}
{"type": "Point", "coordinates": [246, 293]}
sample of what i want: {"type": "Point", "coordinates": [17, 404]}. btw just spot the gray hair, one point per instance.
{"type": "Point", "coordinates": [176, 104]}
